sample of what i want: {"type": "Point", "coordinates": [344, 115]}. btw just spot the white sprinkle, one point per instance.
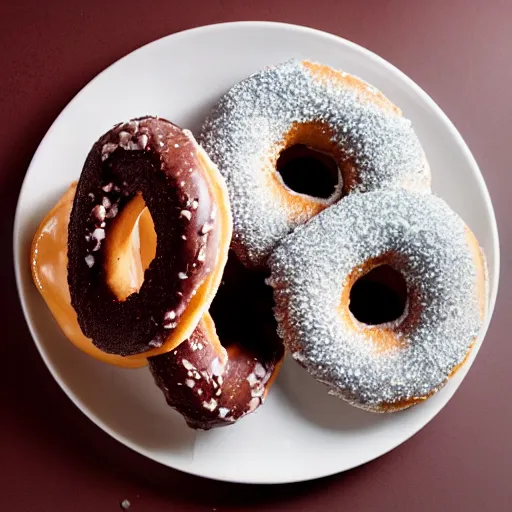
{"type": "Point", "coordinates": [202, 254]}
{"type": "Point", "coordinates": [107, 149]}
{"type": "Point", "coordinates": [124, 137]}
{"type": "Point", "coordinates": [89, 259]}
{"type": "Point", "coordinates": [195, 204]}
{"type": "Point", "coordinates": [170, 325]}
{"type": "Point", "coordinates": [252, 380]}
{"type": "Point", "coordinates": [182, 275]}
{"type": "Point", "coordinates": [259, 370]}
{"type": "Point", "coordinates": [187, 364]}
{"type": "Point", "coordinates": [106, 203]}
{"type": "Point", "coordinates": [143, 141]}
{"type": "Point", "coordinates": [200, 346]}
{"type": "Point", "coordinates": [176, 145]}
{"type": "Point", "coordinates": [223, 412]}
{"type": "Point", "coordinates": [220, 380]}
{"type": "Point", "coordinates": [98, 234]}
{"type": "Point", "coordinates": [189, 374]}
{"type": "Point", "coordinates": [190, 383]}
{"type": "Point", "coordinates": [98, 213]}
{"type": "Point", "coordinates": [170, 315]}
{"type": "Point", "coordinates": [199, 391]}
{"type": "Point", "coordinates": [183, 237]}
{"type": "Point", "coordinates": [211, 405]}
{"type": "Point", "coordinates": [182, 183]}
{"type": "Point", "coordinates": [186, 214]}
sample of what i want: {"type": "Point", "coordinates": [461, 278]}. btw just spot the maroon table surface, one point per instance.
{"type": "Point", "coordinates": [52, 458]}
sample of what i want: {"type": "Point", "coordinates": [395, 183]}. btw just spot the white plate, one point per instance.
{"type": "Point", "coordinates": [301, 433]}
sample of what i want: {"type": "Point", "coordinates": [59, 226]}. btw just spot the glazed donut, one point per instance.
{"type": "Point", "coordinates": [48, 263]}
{"type": "Point", "coordinates": [146, 161]}
{"type": "Point", "coordinates": [224, 370]}
{"type": "Point", "coordinates": [298, 106]}
{"type": "Point", "coordinates": [403, 360]}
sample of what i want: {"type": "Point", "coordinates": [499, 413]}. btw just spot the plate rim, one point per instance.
{"type": "Point", "coordinates": [306, 30]}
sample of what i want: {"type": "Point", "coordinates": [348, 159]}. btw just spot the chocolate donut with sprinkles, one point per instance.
{"type": "Point", "coordinates": [295, 138]}
{"type": "Point", "coordinates": [416, 249]}
{"type": "Point", "coordinates": [225, 369]}
{"type": "Point", "coordinates": [146, 162]}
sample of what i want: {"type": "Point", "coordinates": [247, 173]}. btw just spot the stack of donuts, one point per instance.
{"type": "Point", "coordinates": [299, 219]}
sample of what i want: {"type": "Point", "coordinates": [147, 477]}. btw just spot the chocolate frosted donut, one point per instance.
{"type": "Point", "coordinates": [395, 361]}
{"type": "Point", "coordinates": [295, 138]}
{"type": "Point", "coordinates": [146, 162]}
{"type": "Point", "coordinates": [224, 370]}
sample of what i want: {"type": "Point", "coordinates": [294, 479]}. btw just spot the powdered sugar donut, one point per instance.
{"type": "Point", "coordinates": [293, 139]}
{"type": "Point", "coordinates": [404, 358]}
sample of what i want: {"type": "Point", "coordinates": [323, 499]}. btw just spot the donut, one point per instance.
{"type": "Point", "coordinates": [146, 162]}
{"type": "Point", "coordinates": [392, 362]}
{"type": "Point", "coordinates": [48, 263]}
{"type": "Point", "coordinates": [225, 369]}
{"type": "Point", "coordinates": [295, 138]}
{"type": "Point", "coordinates": [231, 381]}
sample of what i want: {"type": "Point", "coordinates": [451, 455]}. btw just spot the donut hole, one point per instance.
{"type": "Point", "coordinates": [130, 248]}
{"type": "Point", "coordinates": [308, 171]}
{"type": "Point", "coordinates": [379, 296]}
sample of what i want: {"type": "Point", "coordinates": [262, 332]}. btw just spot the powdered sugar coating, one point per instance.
{"type": "Point", "coordinates": [256, 113]}
{"type": "Point", "coordinates": [309, 270]}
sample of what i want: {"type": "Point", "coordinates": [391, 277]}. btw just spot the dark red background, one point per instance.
{"type": "Point", "coordinates": [53, 459]}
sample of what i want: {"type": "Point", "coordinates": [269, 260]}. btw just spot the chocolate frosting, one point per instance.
{"type": "Point", "coordinates": [159, 160]}
{"type": "Point", "coordinates": [212, 389]}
